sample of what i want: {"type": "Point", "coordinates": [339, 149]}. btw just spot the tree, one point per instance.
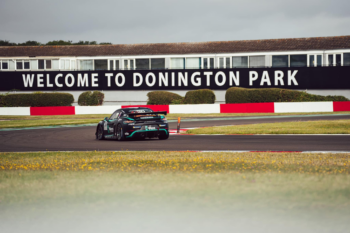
{"type": "Point", "coordinates": [59, 42]}
{"type": "Point", "coordinates": [30, 43]}
{"type": "Point", "coordinates": [6, 43]}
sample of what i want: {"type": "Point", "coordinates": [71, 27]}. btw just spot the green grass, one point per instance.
{"type": "Point", "coordinates": [34, 121]}
{"type": "Point", "coordinates": [205, 178]}
{"type": "Point", "coordinates": [295, 127]}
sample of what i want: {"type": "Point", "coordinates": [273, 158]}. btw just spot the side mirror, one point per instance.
{"type": "Point", "coordinates": [106, 118]}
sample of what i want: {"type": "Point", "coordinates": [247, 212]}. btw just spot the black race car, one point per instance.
{"type": "Point", "coordinates": [133, 123]}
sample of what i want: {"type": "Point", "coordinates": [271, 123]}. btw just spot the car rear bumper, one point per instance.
{"type": "Point", "coordinates": [148, 133]}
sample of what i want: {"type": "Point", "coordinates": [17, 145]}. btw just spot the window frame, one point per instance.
{"type": "Point", "coordinates": [209, 58]}
{"type": "Point", "coordinates": [8, 64]}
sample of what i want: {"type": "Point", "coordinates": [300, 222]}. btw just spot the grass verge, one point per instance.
{"type": "Point", "coordinates": [301, 179]}
{"type": "Point", "coordinates": [295, 127]}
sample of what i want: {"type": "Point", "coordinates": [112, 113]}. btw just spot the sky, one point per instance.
{"type": "Point", "coordinates": [165, 21]}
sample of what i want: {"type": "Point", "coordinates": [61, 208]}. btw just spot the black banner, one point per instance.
{"type": "Point", "coordinates": [215, 79]}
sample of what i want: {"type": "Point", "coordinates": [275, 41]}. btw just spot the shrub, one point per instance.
{"type": "Point", "coordinates": [37, 99]}
{"type": "Point", "coordinates": [89, 98]}
{"type": "Point", "coordinates": [202, 96]}
{"type": "Point", "coordinates": [245, 95]}
{"type": "Point", "coordinates": [162, 98]}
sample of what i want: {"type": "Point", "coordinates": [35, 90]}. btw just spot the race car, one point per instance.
{"type": "Point", "coordinates": [133, 122]}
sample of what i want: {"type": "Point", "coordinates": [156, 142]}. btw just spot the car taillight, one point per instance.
{"type": "Point", "coordinates": [128, 122]}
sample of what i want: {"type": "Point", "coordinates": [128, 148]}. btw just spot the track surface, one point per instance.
{"type": "Point", "coordinates": [83, 139]}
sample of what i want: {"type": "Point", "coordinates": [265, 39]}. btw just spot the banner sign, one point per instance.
{"type": "Point", "coordinates": [215, 79]}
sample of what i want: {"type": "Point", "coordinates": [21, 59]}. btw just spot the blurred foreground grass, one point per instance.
{"type": "Point", "coordinates": [295, 127]}
{"type": "Point", "coordinates": [212, 178]}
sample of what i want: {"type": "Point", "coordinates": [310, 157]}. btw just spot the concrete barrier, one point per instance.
{"type": "Point", "coordinates": [106, 109]}
{"type": "Point", "coordinates": [15, 111]}
{"type": "Point", "coordinates": [291, 107]}
{"type": "Point", "coordinates": [195, 108]}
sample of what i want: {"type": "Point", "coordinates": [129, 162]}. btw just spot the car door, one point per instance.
{"type": "Point", "coordinates": [109, 129]}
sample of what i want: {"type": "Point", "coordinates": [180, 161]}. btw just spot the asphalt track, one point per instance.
{"type": "Point", "coordinates": [83, 138]}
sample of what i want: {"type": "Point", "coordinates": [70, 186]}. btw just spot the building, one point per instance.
{"type": "Point", "coordinates": [311, 57]}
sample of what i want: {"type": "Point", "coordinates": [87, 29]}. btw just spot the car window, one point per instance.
{"type": "Point", "coordinates": [120, 114]}
{"type": "Point", "coordinates": [114, 115]}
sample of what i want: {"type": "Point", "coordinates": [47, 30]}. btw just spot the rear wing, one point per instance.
{"type": "Point", "coordinates": [146, 113]}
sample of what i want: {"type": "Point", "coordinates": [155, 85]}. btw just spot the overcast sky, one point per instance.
{"type": "Point", "coordinates": [159, 21]}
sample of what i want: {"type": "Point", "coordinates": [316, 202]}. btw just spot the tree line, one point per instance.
{"type": "Point", "coordinates": [54, 42]}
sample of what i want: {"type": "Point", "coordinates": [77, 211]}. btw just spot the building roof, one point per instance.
{"type": "Point", "coordinates": [292, 44]}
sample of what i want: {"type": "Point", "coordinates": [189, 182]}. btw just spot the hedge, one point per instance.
{"type": "Point", "coordinates": [202, 96]}
{"type": "Point", "coordinates": [163, 98]}
{"type": "Point", "coordinates": [89, 98]}
{"type": "Point", "coordinates": [36, 100]}
{"type": "Point", "coordinates": [245, 95]}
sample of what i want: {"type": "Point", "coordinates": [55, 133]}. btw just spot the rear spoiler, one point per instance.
{"type": "Point", "coordinates": [146, 113]}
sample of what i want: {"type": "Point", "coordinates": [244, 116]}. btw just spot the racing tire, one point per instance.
{"type": "Point", "coordinates": [120, 133]}
{"type": "Point", "coordinates": [164, 137]}
{"type": "Point", "coordinates": [99, 134]}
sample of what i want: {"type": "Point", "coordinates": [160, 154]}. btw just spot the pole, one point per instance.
{"type": "Point", "coordinates": [178, 124]}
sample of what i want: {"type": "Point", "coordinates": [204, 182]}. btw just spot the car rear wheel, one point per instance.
{"type": "Point", "coordinates": [100, 134]}
{"type": "Point", "coordinates": [120, 133]}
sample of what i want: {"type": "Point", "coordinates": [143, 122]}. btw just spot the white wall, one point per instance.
{"type": "Point", "coordinates": [303, 107]}
{"type": "Point", "coordinates": [15, 111]}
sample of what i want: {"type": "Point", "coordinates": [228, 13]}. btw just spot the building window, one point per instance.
{"type": "Point", "coordinates": [142, 64]}
{"type": "Point", "coordinates": [26, 65]}
{"type": "Point", "coordinates": [240, 62]}
{"type": "Point", "coordinates": [193, 63]}
{"type": "Point", "coordinates": [298, 60]}
{"type": "Point", "coordinates": [157, 63]}
{"type": "Point", "coordinates": [224, 62]}
{"type": "Point", "coordinates": [4, 65]}
{"type": "Point", "coordinates": [330, 60]}
{"type": "Point", "coordinates": [334, 59]}
{"type": "Point", "coordinates": [315, 60]}
{"type": "Point", "coordinates": [72, 65]}
{"type": "Point", "coordinates": [346, 57]}
{"type": "Point", "coordinates": [280, 61]}
{"type": "Point", "coordinates": [86, 65]}
{"type": "Point", "coordinates": [256, 61]}
{"type": "Point", "coordinates": [228, 63]}
{"type": "Point", "coordinates": [22, 64]}
{"type": "Point", "coordinates": [101, 65]}
{"type": "Point", "coordinates": [41, 64]}
{"type": "Point", "coordinates": [19, 65]}
{"type": "Point", "coordinates": [208, 63]}
{"type": "Point", "coordinates": [116, 65]}
{"type": "Point", "coordinates": [177, 63]}
{"type": "Point", "coordinates": [338, 60]}
{"type": "Point", "coordinates": [129, 64]}
{"type": "Point", "coordinates": [48, 65]}
{"type": "Point", "coordinates": [221, 62]}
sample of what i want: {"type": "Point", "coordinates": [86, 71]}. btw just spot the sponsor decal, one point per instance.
{"type": "Point", "coordinates": [105, 125]}
{"type": "Point", "coordinates": [111, 129]}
